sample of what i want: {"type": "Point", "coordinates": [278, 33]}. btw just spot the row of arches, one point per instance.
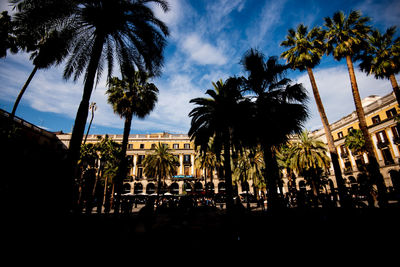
{"type": "Point", "coordinates": [173, 188]}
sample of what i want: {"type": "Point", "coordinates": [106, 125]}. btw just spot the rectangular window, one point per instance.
{"type": "Point", "coordinates": [376, 119]}
{"type": "Point", "coordinates": [130, 146]}
{"type": "Point", "coordinates": [387, 156]}
{"type": "Point", "coordinates": [186, 158]}
{"type": "Point", "coordinates": [350, 129]}
{"type": "Point", "coordinates": [141, 146]}
{"type": "Point", "coordinates": [153, 146]}
{"type": "Point", "coordinates": [395, 131]}
{"type": "Point", "coordinates": [140, 159]}
{"type": "Point", "coordinates": [187, 146]}
{"type": "Point", "coordinates": [391, 113]}
{"type": "Point", "coordinates": [175, 146]}
{"type": "Point", "coordinates": [381, 136]}
{"type": "Point", "coordinates": [140, 173]}
{"type": "Point", "coordinates": [343, 152]}
{"type": "Point", "coordinates": [340, 135]}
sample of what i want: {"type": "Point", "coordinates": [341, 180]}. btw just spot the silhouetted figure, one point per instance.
{"type": "Point", "coordinates": [147, 213]}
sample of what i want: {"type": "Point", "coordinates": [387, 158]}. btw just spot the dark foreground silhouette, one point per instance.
{"type": "Point", "coordinates": [208, 224]}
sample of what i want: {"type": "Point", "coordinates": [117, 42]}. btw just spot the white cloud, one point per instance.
{"type": "Point", "coordinates": [201, 52]}
{"type": "Point", "coordinates": [335, 90]}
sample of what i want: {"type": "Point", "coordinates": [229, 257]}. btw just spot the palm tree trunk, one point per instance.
{"type": "Point", "coordinates": [122, 170]}
{"type": "Point", "coordinates": [331, 144]}
{"type": "Point", "coordinates": [373, 166]}
{"type": "Point", "coordinates": [228, 175]}
{"type": "Point", "coordinates": [90, 124]}
{"type": "Point", "coordinates": [395, 86]}
{"type": "Point", "coordinates": [82, 113]}
{"type": "Point", "coordinates": [271, 178]}
{"type": "Point", "coordinates": [23, 91]}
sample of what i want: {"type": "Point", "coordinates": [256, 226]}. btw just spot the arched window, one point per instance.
{"type": "Point", "coordinates": [138, 188]}
{"type": "Point", "coordinates": [174, 188]}
{"type": "Point", "coordinates": [150, 188]}
{"type": "Point", "coordinates": [221, 187]}
{"type": "Point", "coordinates": [198, 187]}
{"type": "Point", "coordinates": [187, 187]}
{"type": "Point", "coordinates": [126, 188]}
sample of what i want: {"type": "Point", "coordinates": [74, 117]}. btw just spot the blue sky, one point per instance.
{"type": "Point", "coordinates": [207, 41]}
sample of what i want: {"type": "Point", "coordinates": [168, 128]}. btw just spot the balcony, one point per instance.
{"type": "Point", "coordinates": [348, 170]}
{"type": "Point", "coordinates": [396, 140]}
{"type": "Point", "coordinates": [382, 144]}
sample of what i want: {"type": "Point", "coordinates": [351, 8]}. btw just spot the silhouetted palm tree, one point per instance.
{"type": "Point", "coordinates": [46, 48]}
{"type": "Point", "coordinates": [93, 108]}
{"type": "Point", "coordinates": [219, 117]}
{"type": "Point", "coordinates": [101, 31]}
{"type": "Point", "coordinates": [345, 38]}
{"type": "Point", "coordinates": [131, 96]}
{"type": "Point", "coordinates": [161, 164]}
{"type": "Point", "coordinates": [382, 57]}
{"type": "Point", "coordinates": [306, 50]}
{"type": "Point", "coordinates": [279, 111]}
{"type": "Point", "coordinates": [8, 40]}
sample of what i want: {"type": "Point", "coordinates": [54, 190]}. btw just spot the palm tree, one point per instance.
{"type": "Point", "coordinates": [382, 57]}
{"type": "Point", "coordinates": [47, 49]}
{"type": "Point", "coordinates": [132, 96]}
{"type": "Point", "coordinates": [93, 108]}
{"type": "Point", "coordinates": [219, 117]}
{"type": "Point", "coordinates": [100, 31]}
{"type": "Point", "coordinates": [355, 142]}
{"type": "Point", "coordinates": [308, 158]}
{"type": "Point", "coordinates": [8, 39]}
{"type": "Point", "coordinates": [161, 163]}
{"type": "Point", "coordinates": [207, 161]}
{"type": "Point", "coordinates": [345, 38]}
{"type": "Point", "coordinates": [283, 159]}
{"type": "Point", "coordinates": [306, 50]}
{"type": "Point", "coordinates": [278, 102]}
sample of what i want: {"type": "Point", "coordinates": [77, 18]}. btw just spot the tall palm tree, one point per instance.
{"type": "Point", "coordinates": [345, 38]}
{"type": "Point", "coordinates": [161, 164]}
{"type": "Point", "coordinates": [278, 103]}
{"type": "Point", "coordinates": [355, 142]}
{"type": "Point", "coordinates": [218, 117]}
{"type": "Point", "coordinates": [101, 31]}
{"type": "Point", "coordinates": [46, 48]}
{"type": "Point", "coordinates": [207, 161]}
{"type": "Point", "coordinates": [306, 50]}
{"type": "Point", "coordinates": [8, 40]}
{"type": "Point", "coordinates": [131, 96]}
{"type": "Point", "coordinates": [308, 158]}
{"type": "Point", "coordinates": [382, 57]}
{"type": "Point", "coordinates": [93, 108]}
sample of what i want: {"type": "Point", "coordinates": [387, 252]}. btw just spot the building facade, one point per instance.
{"type": "Point", "coordinates": [380, 113]}
{"type": "Point", "coordinates": [188, 179]}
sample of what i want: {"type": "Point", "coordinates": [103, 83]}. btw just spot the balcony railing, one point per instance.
{"type": "Point", "coordinates": [383, 144]}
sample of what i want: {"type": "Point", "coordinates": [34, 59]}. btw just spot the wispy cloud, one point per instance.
{"type": "Point", "coordinates": [269, 17]}
{"type": "Point", "coordinates": [335, 90]}
{"type": "Point", "coordinates": [386, 12]}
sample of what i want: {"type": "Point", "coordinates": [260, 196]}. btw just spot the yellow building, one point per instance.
{"type": "Point", "coordinates": [385, 134]}
{"type": "Point", "coordinates": [188, 178]}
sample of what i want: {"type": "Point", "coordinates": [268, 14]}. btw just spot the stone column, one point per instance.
{"type": "Point", "coordinates": [181, 164]}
